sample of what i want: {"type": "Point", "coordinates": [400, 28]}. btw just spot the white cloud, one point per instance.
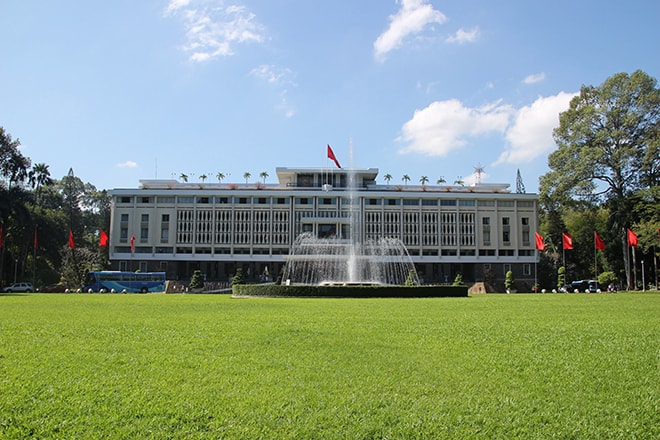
{"type": "Point", "coordinates": [127, 164]}
{"type": "Point", "coordinates": [444, 126]}
{"type": "Point", "coordinates": [532, 79]}
{"type": "Point", "coordinates": [412, 18]}
{"type": "Point", "coordinates": [213, 29]}
{"type": "Point", "coordinates": [530, 135]}
{"type": "Point", "coordinates": [281, 77]}
{"type": "Point", "coordinates": [462, 36]}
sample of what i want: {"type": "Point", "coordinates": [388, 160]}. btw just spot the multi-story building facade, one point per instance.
{"type": "Point", "coordinates": [480, 231]}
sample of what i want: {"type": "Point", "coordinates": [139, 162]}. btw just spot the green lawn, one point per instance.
{"type": "Point", "coordinates": [209, 366]}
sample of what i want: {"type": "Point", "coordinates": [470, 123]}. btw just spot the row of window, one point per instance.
{"type": "Point", "coordinates": [261, 227]}
{"type": "Point", "coordinates": [223, 200]}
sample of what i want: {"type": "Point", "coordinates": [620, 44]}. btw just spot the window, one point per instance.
{"type": "Point", "coordinates": [505, 221]}
{"type": "Point", "coordinates": [466, 203]}
{"type": "Point", "coordinates": [506, 236]}
{"type": "Point", "coordinates": [447, 202]}
{"type": "Point", "coordinates": [485, 221]}
{"type": "Point", "coordinates": [125, 199]}
{"type": "Point", "coordinates": [527, 269]}
{"type": "Point", "coordinates": [124, 217]}
{"type": "Point", "coordinates": [144, 218]}
{"type": "Point", "coordinates": [185, 199]}
{"type": "Point", "coordinates": [303, 201]}
{"type": "Point", "coordinates": [144, 199]}
{"type": "Point", "coordinates": [507, 268]}
{"type": "Point", "coordinates": [410, 202]}
{"type": "Point", "coordinates": [525, 221]}
{"type": "Point", "coordinates": [427, 202]}
{"type": "Point", "coordinates": [203, 200]}
{"type": "Point", "coordinates": [123, 266]}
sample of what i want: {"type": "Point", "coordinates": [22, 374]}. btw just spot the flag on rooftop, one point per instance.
{"type": "Point", "coordinates": [331, 155]}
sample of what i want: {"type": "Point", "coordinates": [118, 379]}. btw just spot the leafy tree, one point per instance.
{"type": "Point", "coordinates": [406, 178]}
{"type": "Point", "coordinates": [263, 175]}
{"type": "Point", "coordinates": [220, 177]}
{"type": "Point", "coordinates": [387, 178]}
{"type": "Point", "coordinates": [197, 280]}
{"type": "Point", "coordinates": [246, 176]}
{"type": "Point", "coordinates": [608, 144]}
{"type": "Point", "coordinates": [509, 281]}
{"type": "Point", "coordinates": [203, 177]}
{"type": "Point", "coordinates": [423, 180]}
{"type": "Point", "coordinates": [238, 277]}
{"type": "Point", "coordinates": [458, 281]}
{"type": "Point", "coordinates": [561, 277]}
{"type": "Point", "coordinates": [412, 279]}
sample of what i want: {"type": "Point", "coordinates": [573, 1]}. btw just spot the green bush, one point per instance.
{"type": "Point", "coordinates": [458, 281]}
{"type": "Point", "coordinates": [509, 281]}
{"type": "Point", "coordinates": [238, 277]}
{"type": "Point", "coordinates": [197, 280]}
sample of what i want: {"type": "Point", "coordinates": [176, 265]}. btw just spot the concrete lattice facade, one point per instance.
{"type": "Point", "coordinates": [479, 231]}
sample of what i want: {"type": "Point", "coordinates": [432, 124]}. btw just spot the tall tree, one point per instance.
{"type": "Point", "coordinates": [604, 140]}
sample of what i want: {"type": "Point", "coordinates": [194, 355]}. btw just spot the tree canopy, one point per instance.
{"type": "Point", "coordinates": [608, 150]}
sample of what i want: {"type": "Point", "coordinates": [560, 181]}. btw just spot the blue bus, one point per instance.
{"type": "Point", "coordinates": [109, 281]}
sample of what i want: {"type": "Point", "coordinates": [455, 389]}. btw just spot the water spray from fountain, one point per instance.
{"type": "Point", "coordinates": [349, 259]}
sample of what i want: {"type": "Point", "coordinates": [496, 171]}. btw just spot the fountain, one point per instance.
{"type": "Point", "coordinates": [332, 261]}
{"type": "Point", "coordinates": [349, 260]}
{"type": "Point", "coordinates": [348, 265]}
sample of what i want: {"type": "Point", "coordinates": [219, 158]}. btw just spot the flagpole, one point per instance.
{"type": "Point", "coordinates": [595, 260]}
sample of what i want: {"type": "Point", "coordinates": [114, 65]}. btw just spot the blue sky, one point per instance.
{"type": "Point", "coordinates": [127, 90]}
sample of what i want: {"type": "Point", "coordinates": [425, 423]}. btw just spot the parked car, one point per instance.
{"type": "Point", "coordinates": [19, 287]}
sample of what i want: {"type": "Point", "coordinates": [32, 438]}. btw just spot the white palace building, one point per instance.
{"type": "Point", "coordinates": [480, 231]}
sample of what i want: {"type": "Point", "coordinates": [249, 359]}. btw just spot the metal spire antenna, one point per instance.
{"type": "Point", "coordinates": [520, 186]}
{"type": "Point", "coordinates": [478, 171]}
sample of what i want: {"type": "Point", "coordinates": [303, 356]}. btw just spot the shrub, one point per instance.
{"type": "Point", "coordinates": [509, 281]}
{"type": "Point", "coordinates": [458, 281]}
{"type": "Point", "coordinates": [606, 278]}
{"type": "Point", "coordinates": [238, 277]}
{"type": "Point", "coordinates": [561, 277]}
{"type": "Point", "coordinates": [197, 280]}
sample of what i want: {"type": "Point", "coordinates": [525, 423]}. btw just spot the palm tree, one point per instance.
{"type": "Point", "coordinates": [246, 176]}
{"type": "Point", "coordinates": [39, 176]}
{"type": "Point", "coordinates": [387, 178]}
{"type": "Point", "coordinates": [441, 180]}
{"type": "Point", "coordinates": [220, 176]}
{"type": "Point", "coordinates": [459, 181]}
{"type": "Point", "coordinates": [423, 180]}
{"type": "Point", "coordinates": [406, 178]}
{"type": "Point", "coordinates": [263, 175]}
{"type": "Point", "coordinates": [183, 177]}
{"type": "Point", "coordinates": [203, 177]}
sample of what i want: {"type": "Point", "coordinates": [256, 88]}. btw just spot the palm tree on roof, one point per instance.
{"type": "Point", "coordinates": [406, 178]}
{"type": "Point", "coordinates": [220, 176]}
{"type": "Point", "coordinates": [263, 175]}
{"type": "Point", "coordinates": [387, 178]}
{"type": "Point", "coordinates": [246, 176]}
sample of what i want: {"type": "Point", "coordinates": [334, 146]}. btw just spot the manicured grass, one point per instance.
{"type": "Point", "coordinates": [209, 366]}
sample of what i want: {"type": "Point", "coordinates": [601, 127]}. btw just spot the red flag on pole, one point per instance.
{"type": "Point", "coordinates": [103, 239]}
{"type": "Point", "coordinates": [540, 245]}
{"type": "Point", "coordinates": [132, 243]}
{"type": "Point", "coordinates": [72, 245]}
{"type": "Point", "coordinates": [632, 238]}
{"type": "Point", "coordinates": [36, 239]}
{"type": "Point", "coordinates": [600, 244]}
{"type": "Point", "coordinates": [567, 241]}
{"type": "Point", "coordinates": [331, 155]}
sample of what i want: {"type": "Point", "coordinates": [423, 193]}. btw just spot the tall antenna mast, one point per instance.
{"type": "Point", "coordinates": [478, 171]}
{"type": "Point", "coordinates": [520, 186]}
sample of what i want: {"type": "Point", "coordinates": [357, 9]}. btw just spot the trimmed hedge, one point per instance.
{"type": "Point", "coordinates": [350, 291]}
